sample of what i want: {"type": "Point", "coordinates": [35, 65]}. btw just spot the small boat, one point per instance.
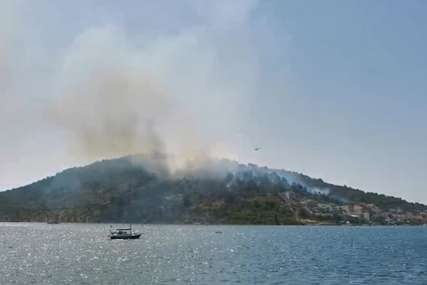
{"type": "Point", "coordinates": [124, 233]}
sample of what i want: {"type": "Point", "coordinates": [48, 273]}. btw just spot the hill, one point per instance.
{"type": "Point", "coordinates": [137, 189]}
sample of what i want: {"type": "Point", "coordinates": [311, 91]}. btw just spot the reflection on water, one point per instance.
{"type": "Point", "coordinates": [83, 254]}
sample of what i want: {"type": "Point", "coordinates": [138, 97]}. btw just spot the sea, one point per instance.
{"type": "Point", "coordinates": [37, 253]}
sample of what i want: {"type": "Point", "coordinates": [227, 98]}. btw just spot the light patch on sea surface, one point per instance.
{"type": "Point", "coordinates": [32, 253]}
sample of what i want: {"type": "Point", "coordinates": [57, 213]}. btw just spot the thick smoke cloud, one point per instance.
{"type": "Point", "coordinates": [100, 88]}
{"type": "Point", "coordinates": [109, 104]}
{"type": "Point", "coordinates": [168, 96]}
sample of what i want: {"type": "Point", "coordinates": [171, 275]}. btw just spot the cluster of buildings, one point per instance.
{"type": "Point", "coordinates": [351, 213]}
{"type": "Point", "coordinates": [369, 213]}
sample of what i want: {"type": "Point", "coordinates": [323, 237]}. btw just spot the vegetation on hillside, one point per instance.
{"type": "Point", "coordinates": [122, 191]}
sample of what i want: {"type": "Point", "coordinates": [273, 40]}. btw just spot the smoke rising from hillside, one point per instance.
{"type": "Point", "coordinates": [109, 107]}
{"type": "Point", "coordinates": [103, 88]}
{"type": "Point", "coordinates": [117, 95]}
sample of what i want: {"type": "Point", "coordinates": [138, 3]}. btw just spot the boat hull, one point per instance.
{"type": "Point", "coordinates": [137, 236]}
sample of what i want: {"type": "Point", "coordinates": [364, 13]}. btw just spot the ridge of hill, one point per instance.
{"type": "Point", "coordinates": [138, 189]}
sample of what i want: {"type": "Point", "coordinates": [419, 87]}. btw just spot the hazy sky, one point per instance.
{"type": "Point", "coordinates": [334, 89]}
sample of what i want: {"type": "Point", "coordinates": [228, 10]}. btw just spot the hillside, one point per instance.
{"type": "Point", "coordinates": [218, 191]}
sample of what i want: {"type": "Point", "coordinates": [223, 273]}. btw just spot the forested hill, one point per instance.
{"type": "Point", "coordinates": [219, 191]}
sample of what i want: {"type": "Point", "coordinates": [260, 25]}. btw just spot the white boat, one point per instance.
{"type": "Point", "coordinates": [124, 233]}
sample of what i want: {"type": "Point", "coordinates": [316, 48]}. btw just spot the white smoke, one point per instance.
{"type": "Point", "coordinates": [101, 88]}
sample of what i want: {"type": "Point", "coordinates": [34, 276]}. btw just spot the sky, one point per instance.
{"type": "Point", "coordinates": [333, 89]}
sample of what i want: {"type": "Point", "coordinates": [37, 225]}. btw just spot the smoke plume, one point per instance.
{"type": "Point", "coordinates": [115, 98]}
{"type": "Point", "coordinates": [109, 107]}
{"type": "Point", "coordinates": [103, 88]}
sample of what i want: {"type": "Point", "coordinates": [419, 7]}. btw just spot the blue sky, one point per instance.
{"type": "Point", "coordinates": [334, 89]}
{"type": "Point", "coordinates": [355, 99]}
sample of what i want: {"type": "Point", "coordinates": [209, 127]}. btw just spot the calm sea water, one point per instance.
{"type": "Point", "coordinates": [82, 254]}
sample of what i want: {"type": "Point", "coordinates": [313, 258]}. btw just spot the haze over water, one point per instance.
{"type": "Point", "coordinates": [32, 253]}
